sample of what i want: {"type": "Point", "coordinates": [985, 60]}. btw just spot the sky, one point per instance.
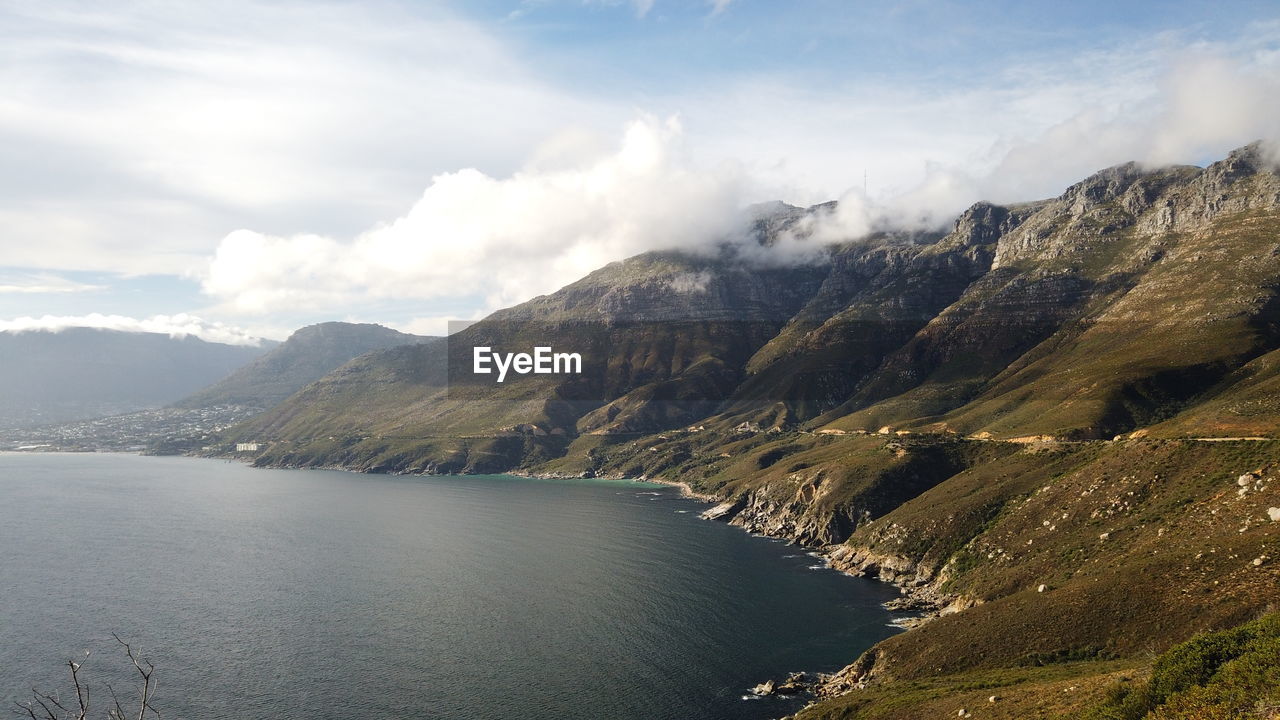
{"type": "Point", "coordinates": [240, 169]}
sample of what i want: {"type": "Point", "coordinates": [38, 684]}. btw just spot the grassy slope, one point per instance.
{"type": "Point", "coordinates": [307, 355]}
{"type": "Point", "coordinates": [1232, 674]}
{"type": "Point", "coordinates": [1177, 558]}
{"type": "Point", "coordinates": [1059, 691]}
{"type": "Point", "coordinates": [640, 339]}
{"type": "Point", "coordinates": [1226, 675]}
{"type": "Point", "coordinates": [1124, 332]}
{"type": "Point", "coordinates": [1188, 321]}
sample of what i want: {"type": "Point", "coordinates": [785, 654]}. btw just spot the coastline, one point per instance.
{"type": "Point", "coordinates": [919, 599]}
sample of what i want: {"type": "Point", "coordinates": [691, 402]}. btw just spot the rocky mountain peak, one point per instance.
{"type": "Point", "coordinates": [981, 224]}
{"type": "Point", "coordinates": [768, 220]}
{"type": "Point", "coordinates": [1256, 157]}
{"type": "Point", "coordinates": [1101, 187]}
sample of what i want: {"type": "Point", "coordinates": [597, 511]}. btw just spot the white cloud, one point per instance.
{"type": "Point", "coordinates": [435, 325]}
{"type": "Point", "coordinates": [42, 284]}
{"type": "Point", "coordinates": [690, 283]}
{"type": "Point", "coordinates": [508, 239]}
{"type": "Point", "coordinates": [719, 6]}
{"type": "Point", "coordinates": [133, 139]}
{"type": "Point", "coordinates": [1203, 106]}
{"type": "Point", "coordinates": [180, 325]}
{"type": "Point", "coordinates": [1198, 109]}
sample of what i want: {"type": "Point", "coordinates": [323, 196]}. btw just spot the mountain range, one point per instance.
{"type": "Point", "coordinates": [1052, 425]}
{"type": "Point", "coordinates": [306, 356]}
{"type": "Point", "coordinates": [53, 377]}
{"type": "Point", "coordinates": [1139, 299]}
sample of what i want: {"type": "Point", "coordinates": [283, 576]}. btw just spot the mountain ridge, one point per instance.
{"type": "Point", "coordinates": [79, 373]}
{"type": "Point", "coordinates": [305, 356]}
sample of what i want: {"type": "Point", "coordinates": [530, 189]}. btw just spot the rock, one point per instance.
{"type": "Point", "coordinates": [796, 682]}
{"type": "Point", "coordinates": [993, 698]}
{"type": "Point", "coordinates": [1258, 561]}
{"type": "Point", "coordinates": [1274, 514]}
{"type": "Point", "coordinates": [1104, 536]}
{"type": "Point", "coordinates": [721, 511]}
{"type": "Point", "coordinates": [1245, 479]}
{"type": "Point", "coordinates": [1042, 588]}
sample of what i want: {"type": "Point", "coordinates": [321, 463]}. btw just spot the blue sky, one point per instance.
{"type": "Point", "coordinates": [264, 165]}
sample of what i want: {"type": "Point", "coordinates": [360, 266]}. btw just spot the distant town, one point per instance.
{"type": "Point", "coordinates": [164, 430]}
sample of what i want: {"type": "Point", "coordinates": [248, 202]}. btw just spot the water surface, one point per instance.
{"type": "Point", "coordinates": [326, 595]}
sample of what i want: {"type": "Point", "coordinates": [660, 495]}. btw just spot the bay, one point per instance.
{"type": "Point", "coordinates": [323, 594]}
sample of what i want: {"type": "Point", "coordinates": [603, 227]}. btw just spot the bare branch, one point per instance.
{"type": "Point", "coordinates": [82, 691]}
{"type": "Point", "coordinates": [29, 709]}
{"type": "Point", "coordinates": [42, 698]}
{"type": "Point", "coordinates": [47, 710]}
{"type": "Point", "coordinates": [117, 712]}
{"type": "Point", "coordinates": [48, 706]}
{"type": "Point", "coordinates": [147, 685]}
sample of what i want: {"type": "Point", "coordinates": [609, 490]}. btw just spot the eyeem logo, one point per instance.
{"type": "Point", "coordinates": [542, 362]}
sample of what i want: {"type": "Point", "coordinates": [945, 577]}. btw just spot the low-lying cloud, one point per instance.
{"type": "Point", "coordinates": [176, 326]}
{"type": "Point", "coordinates": [504, 239]}
{"type": "Point", "coordinates": [42, 284]}
{"type": "Point", "coordinates": [1203, 107]}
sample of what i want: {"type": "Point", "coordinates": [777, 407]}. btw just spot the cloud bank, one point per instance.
{"type": "Point", "coordinates": [507, 239]}
{"type": "Point", "coordinates": [1204, 106]}
{"type": "Point", "coordinates": [176, 326]}
{"type": "Point", "coordinates": [42, 284]}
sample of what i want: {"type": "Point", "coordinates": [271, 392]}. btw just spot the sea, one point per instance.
{"type": "Point", "coordinates": [319, 595]}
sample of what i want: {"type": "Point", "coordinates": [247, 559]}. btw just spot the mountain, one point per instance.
{"type": "Point", "coordinates": [1053, 425]}
{"type": "Point", "coordinates": [306, 356]}
{"type": "Point", "coordinates": [1136, 296]}
{"type": "Point", "coordinates": [77, 373]}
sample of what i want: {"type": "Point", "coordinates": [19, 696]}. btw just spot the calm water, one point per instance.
{"type": "Point", "coordinates": [318, 595]}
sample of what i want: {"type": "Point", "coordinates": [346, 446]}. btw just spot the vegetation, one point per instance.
{"type": "Point", "coordinates": [1226, 675]}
